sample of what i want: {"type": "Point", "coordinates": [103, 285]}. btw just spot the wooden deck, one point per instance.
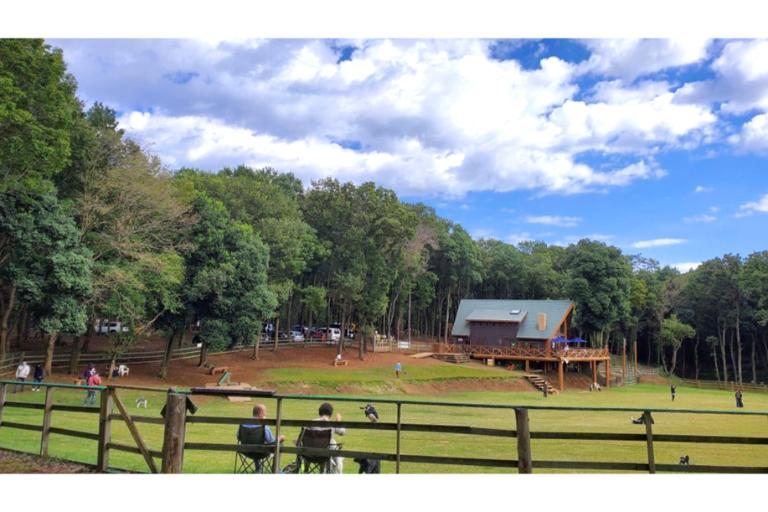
{"type": "Point", "coordinates": [527, 353]}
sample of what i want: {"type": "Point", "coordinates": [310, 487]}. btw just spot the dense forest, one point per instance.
{"type": "Point", "coordinates": [93, 226]}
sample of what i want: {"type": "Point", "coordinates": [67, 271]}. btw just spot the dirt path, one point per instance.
{"type": "Point", "coordinates": [15, 462]}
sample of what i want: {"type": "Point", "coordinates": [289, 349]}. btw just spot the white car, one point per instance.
{"type": "Point", "coordinates": [297, 336]}
{"type": "Point", "coordinates": [110, 327]}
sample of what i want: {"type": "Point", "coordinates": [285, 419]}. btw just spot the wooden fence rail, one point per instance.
{"type": "Point", "coordinates": [177, 417]}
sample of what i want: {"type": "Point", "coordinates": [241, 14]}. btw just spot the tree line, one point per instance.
{"type": "Point", "coordinates": [93, 226]}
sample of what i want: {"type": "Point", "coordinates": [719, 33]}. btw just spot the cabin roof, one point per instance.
{"type": "Point", "coordinates": [492, 310]}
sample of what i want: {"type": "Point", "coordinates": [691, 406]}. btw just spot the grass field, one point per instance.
{"type": "Point", "coordinates": [426, 443]}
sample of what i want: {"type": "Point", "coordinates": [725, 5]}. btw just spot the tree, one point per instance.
{"type": "Point", "coordinates": [43, 263]}
{"type": "Point", "coordinates": [226, 277]}
{"type": "Point", "coordinates": [38, 109]}
{"type": "Point", "coordinates": [673, 332]}
{"type": "Point", "coordinates": [599, 284]}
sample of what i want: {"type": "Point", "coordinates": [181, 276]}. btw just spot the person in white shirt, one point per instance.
{"type": "Point", "coordinates": [22, 372]}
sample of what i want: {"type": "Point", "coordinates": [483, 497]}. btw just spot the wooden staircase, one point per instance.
{"type": "Point", "coordinates": [452, 358]}
{"type": "Point", "coordinates": [540, 383]}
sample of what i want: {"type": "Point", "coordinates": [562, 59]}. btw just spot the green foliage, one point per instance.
{"type": "Point", "coordinates": [226, 281]}
{"type": "Point", "coordinates": [673, 332]}
{"type": "Point", "coordinates": [38, 109]}
{"type": "Point", "coordinates": [599, 284]}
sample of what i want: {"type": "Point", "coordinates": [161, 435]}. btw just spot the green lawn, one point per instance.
{"type": "Point", "coordinates": [384, 375]}
{"type": "Point", "coordinates": [426, 443]}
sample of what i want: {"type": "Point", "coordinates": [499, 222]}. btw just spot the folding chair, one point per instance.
{"type": "Point", "coordinates": [315, 438]}
{"type": "Point", "coordinates": [258, 460]}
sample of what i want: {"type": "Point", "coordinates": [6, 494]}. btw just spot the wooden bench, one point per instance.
{"type": "Point", "coordinates": [340, 362]}
{"type": "Point", "coordinates": [218, 369]}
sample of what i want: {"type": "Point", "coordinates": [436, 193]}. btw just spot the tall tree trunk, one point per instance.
{"type": "Point", "coordinates": [74, 359]}
{"type": "Point", "coordinates": [733, 359]}
{"type": "Point", "coordinates": [256, 347]}
{"type": "Point", "coordinates": [48, 364]}
{"type": "Point", "coordinates": [696, 356]}
{"type": "Point", "coordinates": [9, 304]}
{"type": "Point", "coordinates": [21, 324]}
{"type": "Point", "coordinates": [167, 355]}
{"type": "Point", "coordinates": [361, 341]}
{"type": "Point", "coordinates": [409, 315]}
{"type": "Point", "coordinates": [714, 358]}
{"type": "Point", "coordinates": [753, 359]}
{"type": "Point", "coordinates": [277, 334]}
{"type": "Point", "coordinates": [738, 345]}
{"type": "Point", "coordinates": [722, 354]}
{"type": "Point", "coordinates": [112, 366]}
{"type": "Point", "coordinates": [674, 361]}
{"type": "Point", "coordinates": [447, 316]}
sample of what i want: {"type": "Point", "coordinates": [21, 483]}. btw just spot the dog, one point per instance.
{"type": "Point", "coordinates": [141, 402]}
{"type": "Point", "coordinates": [685, 460]}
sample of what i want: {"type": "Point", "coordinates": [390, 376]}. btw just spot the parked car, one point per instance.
{"type": "Point", "coordinates": [110, 327]}
{"type": "Point", "coordinates": [296, 336]}
{"type": "Point", "coordinates": [317, 334]}
{"type": "Point", "coordinates": [349, 332]}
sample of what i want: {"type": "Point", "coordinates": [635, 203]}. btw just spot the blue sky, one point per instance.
{"type": "Point", "coordinates": [656, 146]}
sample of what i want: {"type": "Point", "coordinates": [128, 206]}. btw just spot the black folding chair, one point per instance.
{"type": "Point", "coordinates": [315, 438]}
{"type": "Point", "coordinates": [257, 459]}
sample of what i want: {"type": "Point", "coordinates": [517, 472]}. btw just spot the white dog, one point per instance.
{"type": "Point", "coordinates": [141, 402]}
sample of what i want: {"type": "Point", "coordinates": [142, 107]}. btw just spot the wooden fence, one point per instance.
{"type": "Point", "coordinates": [732, 386]}
{"type": "Point", "coordinates": [177, 417]}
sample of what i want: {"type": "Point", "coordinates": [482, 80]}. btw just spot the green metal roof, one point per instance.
{"type": "Point", "coordinates": [496, 315]}
{"type": "Point", "coordinates": [476, 309]}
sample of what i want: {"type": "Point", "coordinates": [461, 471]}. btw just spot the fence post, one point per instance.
{"type": "Point", "coordinates": [3, 390]}
{"type": "Point", "coordinates": [397, 447]}
{"type": "Point", "coordinates": [524, 464]}
{"type": "Point", "coordinates": [46, 421]}
{"type": "Point", "coordinates": [173, 434]}
{"type": "Point", "coordinates": [648, 420]}
{"type": "Point", "coordinates": [278, 420]}
{"type": "Point", "coordinates": [105, 431]}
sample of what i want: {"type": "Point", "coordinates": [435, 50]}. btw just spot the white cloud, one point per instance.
{"type": "Point", "coordinates": [464, 206]}
{"type": "Point", "coordinates": [753, 135]}
{"type": "Point", "coordinates": [516, 238]}
{"type": "Point", "coordinates": [630, 58]}
{"type": "Point", "coordinates": [482, 233]}
{"type": "Point", "coordinates": [700, 188]}
{"type": "Point", "coordinates": [687, 266]}
{"type": "Point", "coordinates": [700, 218]}
{"type": "Point", "coordinates": [759, 206]}
{"type": "Point", "coordinates": [743, 68]}
{"type": "Point", "coordinates": [572, 239]}
{"type": "Point", "coordinates": [714, 209]}
{"type": "Point", "coordinates": [554, 220]}
{"type": "Point", "coordinates": [658, 242]}
{"type": "Point", "coordinates": [436, 117]}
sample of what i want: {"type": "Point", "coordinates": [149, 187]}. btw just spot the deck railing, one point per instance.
{"type": "Point", "coordinates": [522, 351]}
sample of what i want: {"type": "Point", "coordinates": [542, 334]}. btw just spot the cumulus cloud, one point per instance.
{"type": "Point", "coordinates": [759, 206]}
{"type": "Point", "coordinates": [658, 242]}
{"type": "Point", "coordinates": [630, 58]}
{"type": "Point", "coordinates": [437, 117]}
{"type": "Point", "coordinates": [753, 135]}
{"type": "Point", "coordinates": [554, 220]}
{"type": "Point", "coordinates": [700, 188]}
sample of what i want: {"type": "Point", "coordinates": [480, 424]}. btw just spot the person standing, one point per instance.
{"type": "Point", "coordinates": [673, 390]}
{"type": "Point", "coordinates": [93, 381]}
{"type": "Point", "coordinates": [398, 369]}
{"type": "Point", "coordinates": [739, 398]}
{"type": "Point", "coordinates": [22, 372]}
{"type": "Point", "coordinates": [38, 376]}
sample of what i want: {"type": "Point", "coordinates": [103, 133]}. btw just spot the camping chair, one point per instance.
{"type": "Point", "coordinates": [256, 461]}
{"type": "Point", "coordinates": [315, 438]}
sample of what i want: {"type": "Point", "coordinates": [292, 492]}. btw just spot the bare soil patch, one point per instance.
{"type": "Point", "coordinates": [15, 462]}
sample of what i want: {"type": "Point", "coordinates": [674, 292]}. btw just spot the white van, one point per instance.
{"type": "Point", "coordinates": [110, 327]}
{"type": "Point", "coordinates": [334, 334]}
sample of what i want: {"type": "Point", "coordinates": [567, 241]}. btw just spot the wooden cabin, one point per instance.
{"type": "Point", "coordinates": [521, 330]}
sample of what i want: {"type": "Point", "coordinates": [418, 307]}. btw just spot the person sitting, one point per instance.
{"type": "Point", "coordinates": [260, 413]}
{"type": "Point", "coordinates": [325, 411]}
{"type": "Point", "coordinates": [685, 460]}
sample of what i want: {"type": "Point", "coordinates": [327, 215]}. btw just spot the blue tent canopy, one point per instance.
{"type": "Point", "coordinates": [561, 339]}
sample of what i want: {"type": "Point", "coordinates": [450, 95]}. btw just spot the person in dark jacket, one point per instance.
{"type": "Point", "coordinates": [673, 390]}
{"type": "Point", "coordinates": [38, 377]}
{"type": "Point", "coordinates": [739, 398]}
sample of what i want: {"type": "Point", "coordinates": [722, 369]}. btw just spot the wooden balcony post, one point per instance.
{"type": "Point", "coordinates": [278, 420]}
{"type": "Point", "coordinates": [105, 431]}
{"type": "Point", "coordinates": [173, 436]}
{"type": "Point", "coordinates": [561, 374]}
{"type": "Point", "coordinates": [593, 364]}
{"type": "Point", "coordinates": [524, 463]}
{"type": "Point", "coordinates": [608, 372]}
{"type": "Point", "coordinates": [47, 410]}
